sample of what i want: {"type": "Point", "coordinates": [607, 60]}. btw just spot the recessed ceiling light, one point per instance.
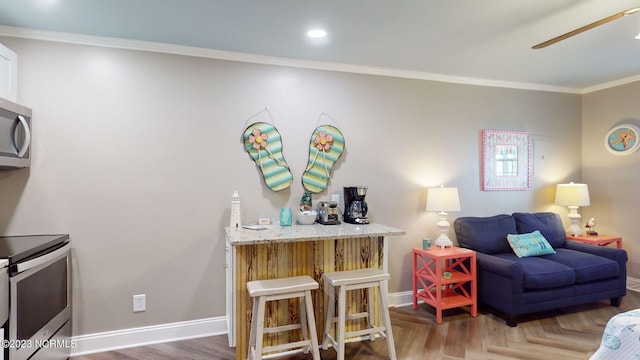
{"type": "Point", "coordinates": [46, 3]}
{"type": "Point", "coordinates": [316, 33]}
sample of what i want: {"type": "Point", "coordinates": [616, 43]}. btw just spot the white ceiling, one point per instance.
{"type": "Point", "coordinates": [452, 40]}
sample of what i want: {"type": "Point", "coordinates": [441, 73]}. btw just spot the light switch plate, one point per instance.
{"type": "Point", "coordinates": [139, 303]}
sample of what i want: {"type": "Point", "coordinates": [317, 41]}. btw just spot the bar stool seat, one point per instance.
{"type": "Point", "coordinates": [344, 281]}
{"type": "Point", "coordinates": [278, 289]}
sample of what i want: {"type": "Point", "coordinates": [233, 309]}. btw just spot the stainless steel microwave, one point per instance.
{"type": "Point", "coordinates": [15, 135]}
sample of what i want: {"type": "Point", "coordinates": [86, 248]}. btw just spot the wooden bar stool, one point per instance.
{"type": "Point", "coordinates": [355, 280]}
{"type": "Point", "coordinates": [262, 291]}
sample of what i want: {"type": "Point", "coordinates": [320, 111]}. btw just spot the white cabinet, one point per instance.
{"type": "Point", "coordinates": [8, 74]}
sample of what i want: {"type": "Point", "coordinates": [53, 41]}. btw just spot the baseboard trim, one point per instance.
{"type": "Point", "coordinates": [127, 338]}
{"type": "Point", "coordinates": [400, 299]}
{"type": "Point", "coordinates": [156, 334]}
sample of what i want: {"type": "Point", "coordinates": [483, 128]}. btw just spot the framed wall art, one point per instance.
{"type": "Point", "coordinates": [506, 160]}
{"type": "Point", "coordinates": [622, 139]}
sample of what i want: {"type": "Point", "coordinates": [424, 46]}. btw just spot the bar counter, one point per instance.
{"type": "Point", "coordinates": [283, 251]}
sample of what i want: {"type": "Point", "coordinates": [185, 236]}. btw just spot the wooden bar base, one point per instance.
{"type": "Point", "coordinates": [285, 259]}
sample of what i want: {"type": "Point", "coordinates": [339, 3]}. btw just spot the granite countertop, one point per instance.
{"type": "Point", "coordinates": [294, 233]}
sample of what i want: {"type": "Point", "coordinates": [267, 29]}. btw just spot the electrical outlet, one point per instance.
{"type": "Point", "coordinates": [335, 197]}
{"type": "Point", "coordinates": [139, 303]}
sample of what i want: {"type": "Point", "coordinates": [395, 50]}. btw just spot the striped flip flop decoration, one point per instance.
{"type": "Point", "coordinates": [264, 144]}
{"type": "Point", "coordinates": [325, 148]}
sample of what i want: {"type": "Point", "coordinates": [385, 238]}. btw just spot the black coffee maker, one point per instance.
{"type": "Point", "coordinates": [355, 206]}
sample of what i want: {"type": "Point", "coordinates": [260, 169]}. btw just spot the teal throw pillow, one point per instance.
{"type": "Point", "coordinates": [531, 244]}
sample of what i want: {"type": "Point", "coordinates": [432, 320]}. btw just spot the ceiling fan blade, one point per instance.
{"type": "Point", "coordinates": [586, 27]}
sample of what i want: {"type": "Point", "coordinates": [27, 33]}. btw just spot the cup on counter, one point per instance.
{"type": "Point", "coordinates": [426, 244]}
{"type": "Point", "coordinates": [286, 217]}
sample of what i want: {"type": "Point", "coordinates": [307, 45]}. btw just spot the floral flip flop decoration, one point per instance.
{"type": "Point", "coordinates": [325, 148]}
{"type": "Point", "coordinates": [258, 139]}
{"type": "Point", "coordinates": [263, 143]}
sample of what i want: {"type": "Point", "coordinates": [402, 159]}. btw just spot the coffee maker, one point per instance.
{"type": "Point", "coordinates": [355, 206]}
{"type": "Point", "coordinates": [328, 213]}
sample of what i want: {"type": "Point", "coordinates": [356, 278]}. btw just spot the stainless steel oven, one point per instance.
{"type": "Point", "coordinates": [4, 303]}
{"type": "Point", "coordinates": [39, 272]}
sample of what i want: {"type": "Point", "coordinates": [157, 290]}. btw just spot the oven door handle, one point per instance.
{"type": "Point", "coordinates": [30, 264]}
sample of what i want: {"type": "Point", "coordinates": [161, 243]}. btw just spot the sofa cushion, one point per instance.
{"type": "Point", "coordinates": [588, 267]}
{"type": "Point", "coordinates": [549, 224]}
{"type": "Point", "coordinates": [542, 273]}
{"type": "Point", "coordinates": [485, 234]}
{"type": "Point", "coordinates": [530, 244]}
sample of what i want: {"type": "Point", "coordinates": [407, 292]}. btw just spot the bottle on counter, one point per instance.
{"type": "Point", "coordinates": [286, 217]}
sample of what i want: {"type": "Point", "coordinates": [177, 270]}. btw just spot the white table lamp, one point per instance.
{"type": "Point", "coordinates": [573, 196]}
{"type": "Point", "coordinates": [443, 199]}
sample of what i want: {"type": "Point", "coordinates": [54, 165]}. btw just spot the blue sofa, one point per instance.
{"type": "Point", "coordinates": [576, 273]}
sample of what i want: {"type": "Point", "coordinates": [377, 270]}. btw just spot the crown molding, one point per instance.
{"type": "Point", "coordinates": [148, 46]}
{"type": "Point", "coordinates": [611, 84]}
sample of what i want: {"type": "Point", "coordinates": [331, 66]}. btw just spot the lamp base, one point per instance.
{"type": "Point", "coordinates": [443, 241]}
{"type": "Point", "coordinates": [574, 231]}
{"type": "Point", "coordinates": [575, 228]}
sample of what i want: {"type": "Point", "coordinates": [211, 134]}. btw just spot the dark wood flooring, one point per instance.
{"type": "Point", "coordinates": [573, 333]}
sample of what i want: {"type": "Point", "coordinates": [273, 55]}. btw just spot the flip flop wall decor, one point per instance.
{"type": "Point", "coordinates": [325, 148]}
{"type": "Point", "coordinates": [263, 143]}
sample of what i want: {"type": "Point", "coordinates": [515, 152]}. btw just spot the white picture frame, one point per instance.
{"type": "Point", "coordinates": [506, 160]}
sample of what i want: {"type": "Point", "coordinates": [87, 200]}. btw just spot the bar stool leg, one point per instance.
{"type": "Point", "coordinates": [252, 334]}
{"type": "Point", "coordinates": [387, 319]}
{"type": "Point", "coordinates": [330, 310]}
{"type": "Point", "coordinates": [303, 320]}
{"type": "Point", "coordinates": [371, 312]}
{"type": "Point", "coordinates": [257, 328]}
{"type": "Point", "coordinates": [312, 326]}
{"type": "Point", "coordinates": [340, 331]}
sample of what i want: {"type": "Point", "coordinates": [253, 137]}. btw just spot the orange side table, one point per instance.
{"type": "Point", "coordinates": [430, 285]}
{"type": "Point", "coordinates": [601, 240]}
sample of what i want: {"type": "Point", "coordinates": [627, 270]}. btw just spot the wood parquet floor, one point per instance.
{"type": "Point", "coordinates": [573, 333]}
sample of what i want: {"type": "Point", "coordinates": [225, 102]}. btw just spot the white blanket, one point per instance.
{"type": "Point", "coordinates": [621, 337]}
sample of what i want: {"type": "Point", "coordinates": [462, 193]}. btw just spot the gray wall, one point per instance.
{"type": "Point", "coordinates": [613, 180]}
{"type": "Point", "coordinates": [137, 154]}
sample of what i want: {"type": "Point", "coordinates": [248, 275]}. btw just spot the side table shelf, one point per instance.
{"type": "Point", "coordinates": [430, 285]}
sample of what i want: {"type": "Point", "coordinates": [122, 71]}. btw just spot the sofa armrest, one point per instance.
{"type": "Point", "coordinates": [506, 268]}
{"type": "Point", "coordinates": [618, 255]}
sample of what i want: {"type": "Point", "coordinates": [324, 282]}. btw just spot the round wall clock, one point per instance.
{"type": "Point", "coordinates": [622, 139]}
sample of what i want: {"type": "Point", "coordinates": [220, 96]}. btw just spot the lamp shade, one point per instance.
{"type": "Point", "coordinates": [572, 194]}
{"type": "Point", "coordinates": [443, 199]}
